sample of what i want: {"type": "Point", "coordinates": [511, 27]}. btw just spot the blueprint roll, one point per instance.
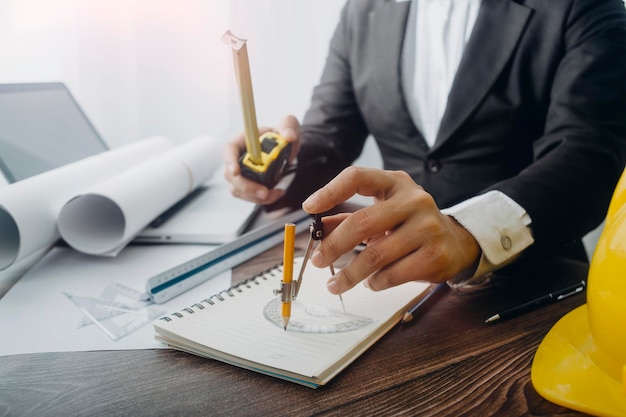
{"type": "Point", "coordinates": [104, 218]}
{"type": "Point", "coordinates": [29, 208]}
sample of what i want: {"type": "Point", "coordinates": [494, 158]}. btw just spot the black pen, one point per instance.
{"type": "Point", "coordinates": [537, 302]}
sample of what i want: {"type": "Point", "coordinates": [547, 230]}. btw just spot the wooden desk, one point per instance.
{"type": "Point", "coordinates": [446, 362]}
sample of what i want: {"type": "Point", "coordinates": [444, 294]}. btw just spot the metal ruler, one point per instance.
{"type": "Point", "coordinates": [174, 281]}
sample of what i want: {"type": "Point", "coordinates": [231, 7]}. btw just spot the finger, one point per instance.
{"type": "Point", "coordinates": [230, 155]}
{"type": "Point", "coordinates": [246, 189]}
{"type": "Point", "coordinates": [330, 223]}
{"type": "Point", "coordinates": [352, 180]}
{"type": "Point", "coordinates": [377, 257]}
{"type": "Point", "coordinates": [438, 256]}
{"type": "Point", "coordinates": [421, 265]}
{"type": "Point", "coordinates": [368, 222]}
{"type": "Point", "coordinates": [289, 128]}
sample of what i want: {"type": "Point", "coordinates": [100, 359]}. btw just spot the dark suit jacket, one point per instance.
{"type": "Point", "coordinates": [537, 109]}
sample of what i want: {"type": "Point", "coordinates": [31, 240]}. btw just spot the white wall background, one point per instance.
{"type": "Point", "coordinates": [144, 67]}
{"type": "Point", "coordinates": [158, 67]}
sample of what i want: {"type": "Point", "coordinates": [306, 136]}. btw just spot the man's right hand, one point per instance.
{"type": "Point", "coordinates": [244, 188]}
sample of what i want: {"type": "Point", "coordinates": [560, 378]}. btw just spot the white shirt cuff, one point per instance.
{"type": "Point", "coordinates": [499, 225]}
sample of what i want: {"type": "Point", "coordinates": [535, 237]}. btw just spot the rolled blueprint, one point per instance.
{"type": "Point", "coordinates": [29, 208]}
{"type": "Point", "coordinates": [104, 218]}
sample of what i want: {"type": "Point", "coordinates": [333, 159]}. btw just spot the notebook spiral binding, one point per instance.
{"type": "Point", "coordinates": [230, 292]}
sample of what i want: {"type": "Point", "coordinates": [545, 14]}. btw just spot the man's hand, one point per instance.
{"type": "Point", "coordinates": [244, 188]}
{"type": "Point", "coordinates": [407, 237]}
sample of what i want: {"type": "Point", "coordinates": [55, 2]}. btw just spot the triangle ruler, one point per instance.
{"type": "Point", "coordinates": [115, 319]}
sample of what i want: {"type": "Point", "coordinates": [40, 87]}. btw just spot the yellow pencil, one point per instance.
{"type": "Point", "coordinates": [288, 254]}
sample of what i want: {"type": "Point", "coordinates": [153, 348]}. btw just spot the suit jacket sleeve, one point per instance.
{"type": "Point", "coordinates": [333, 130]}
{"type": "Point", "coordinates": [548, 130]}
{"type": "Point", "coordinates": [579, 158]}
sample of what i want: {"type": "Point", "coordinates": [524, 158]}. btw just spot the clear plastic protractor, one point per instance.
{"type": "Point", "coordinates": [307, 318]}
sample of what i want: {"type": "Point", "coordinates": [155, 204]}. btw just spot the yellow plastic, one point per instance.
{"type": "Point", "coordinates": [581, 363]}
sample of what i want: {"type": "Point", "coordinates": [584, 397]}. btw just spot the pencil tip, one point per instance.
{"type": "Point", "coordinates": [407, 317]}
{"type": "Point", "coordinates": [492, 318]}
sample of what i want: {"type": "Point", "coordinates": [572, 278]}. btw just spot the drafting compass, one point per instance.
{"type": "Point", "coordinates": [316, 233]}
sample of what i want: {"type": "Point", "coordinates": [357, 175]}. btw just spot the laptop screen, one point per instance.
{"type": "Point", "coordinates": [42, 128]}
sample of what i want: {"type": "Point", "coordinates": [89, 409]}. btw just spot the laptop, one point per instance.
{"type": "Point", "coordinates": [42, 127]}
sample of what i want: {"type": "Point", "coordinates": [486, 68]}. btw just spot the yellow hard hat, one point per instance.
{"type": "Point", "coordinates": [581, 363]}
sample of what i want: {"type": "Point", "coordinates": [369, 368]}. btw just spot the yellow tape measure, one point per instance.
{"type": "Point", "coordinates": [273, 158]}
{"type": "Point", "coordinates": [266, 156]}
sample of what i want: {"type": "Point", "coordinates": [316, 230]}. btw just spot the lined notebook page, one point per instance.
{"type": "Point", "coordinates": [240, 326]}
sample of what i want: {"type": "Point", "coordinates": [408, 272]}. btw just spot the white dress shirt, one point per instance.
{"type": "Point", "coordinates": [437, 32]}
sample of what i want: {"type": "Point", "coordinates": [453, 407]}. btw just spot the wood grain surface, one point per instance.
{"type": "Point", "coordinates": [446, 362]}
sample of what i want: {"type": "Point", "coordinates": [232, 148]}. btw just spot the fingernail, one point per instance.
{"type": "Point", "coordinates": [231, 168]}
{"type": "Point", "coordinates": [317, 258]}
{"type": "Point", "coordinates": [311, 200]}
{"type": "Point", "coordinates": [366, 283]}
{"type": "Point", "coordinates": [332, 286]}
{"type": "Point", "coordinates": [288, 132]}
{"type": "Point", "coordinates": [261, 194]}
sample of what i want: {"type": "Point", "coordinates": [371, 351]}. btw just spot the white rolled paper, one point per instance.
{"type": "Point", "coordinates": [104, 218]}
{"type": "Point", "coordinates": [29, 208]}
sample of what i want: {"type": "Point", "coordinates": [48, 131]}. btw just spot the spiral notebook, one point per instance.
{"type": "Point", "coordinates": [242, 326]}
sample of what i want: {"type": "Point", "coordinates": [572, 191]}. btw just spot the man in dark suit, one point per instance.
{"type": "Point", "coordinates": [508, 115]}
